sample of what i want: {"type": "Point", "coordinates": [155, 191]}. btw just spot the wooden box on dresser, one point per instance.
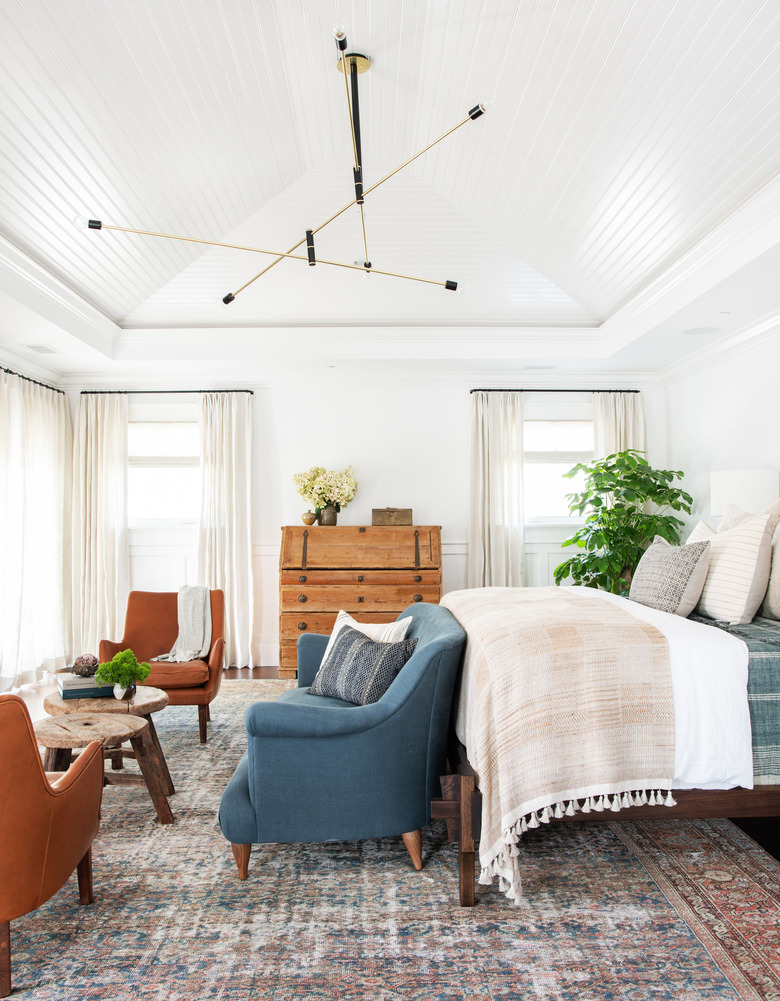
{"type": "Point", "coordinates": [372, 572]}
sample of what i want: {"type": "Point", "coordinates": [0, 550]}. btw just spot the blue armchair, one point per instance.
{"type": "Point", "coordinates": [319, 769]}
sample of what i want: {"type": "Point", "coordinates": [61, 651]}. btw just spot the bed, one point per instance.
{"type": "Point", "coordinates": [691, 730]}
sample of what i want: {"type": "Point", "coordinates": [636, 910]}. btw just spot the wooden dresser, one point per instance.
{"type": "Point", "coordinates": [372, 572]}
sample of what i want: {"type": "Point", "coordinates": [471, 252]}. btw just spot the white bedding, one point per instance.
{"type": "Point", "coordinates": [709, 669]}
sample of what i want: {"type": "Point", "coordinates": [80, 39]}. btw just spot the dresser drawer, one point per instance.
{"type": "Point", "coordinates": [354, 598]}
{"type": "Point", "coordinates": [417, 546]}
{"type": "Point", "coordinates": [291, 626]}
{"type": "Point", "coordinates": [369, 577]}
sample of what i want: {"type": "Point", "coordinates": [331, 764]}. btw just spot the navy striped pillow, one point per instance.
{"type": "Point", "coordinates": [359, 669]}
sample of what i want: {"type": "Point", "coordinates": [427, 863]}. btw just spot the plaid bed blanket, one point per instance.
{"type": "Point", "coordinates": [762, 637]}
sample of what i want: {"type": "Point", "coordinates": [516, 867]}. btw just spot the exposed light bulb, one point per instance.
{"type": "Point", "coordinates": [488, 104]}
{"type": "Point", "coordinates": [464, 289]}
{"type": "Point", "coordinates": [340, 34]}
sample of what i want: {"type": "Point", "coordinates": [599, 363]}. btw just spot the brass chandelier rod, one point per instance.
{"type": "Point", "coordinates": [97, 224]}
{"type": "Point", "coordinates": [474, 113]}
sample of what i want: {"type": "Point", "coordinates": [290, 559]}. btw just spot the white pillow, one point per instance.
{"type": "Point", "coordinates": [771, 607]}
{"type": "Point", "coordinates": [380, 632]}
{"type": "Point", "coordinates": [734, 515]}
{"type": "Point", "coordinates": [738, 571]}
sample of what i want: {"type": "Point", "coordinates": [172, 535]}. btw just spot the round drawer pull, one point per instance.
{"type": "Point", "coordinates": [418, 597]}
{"type": "Point", "coordinates": [302, 598]}
{"type": "Point", "coordinates": [302, 626]}
{"type": "Point", "coordinates": [302, 579]}
{"type": "Point", "coordinates": [417, 578]}
{"type": "Point", "coordinates": [360, 578]}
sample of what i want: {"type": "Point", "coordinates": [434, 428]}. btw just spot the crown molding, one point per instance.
{"type": "Point", "coordinates": [36, 288]}
{"type": "Point", "coordinates": [745, 235]}
{"type": "Point", "coordinates": [738, 343]}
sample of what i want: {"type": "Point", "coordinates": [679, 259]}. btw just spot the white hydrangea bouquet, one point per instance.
{"type": "Point", "coordinates": [326, 487]}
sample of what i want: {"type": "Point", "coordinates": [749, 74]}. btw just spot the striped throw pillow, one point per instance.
{"type": "Point", "coordinates": [738, 571]}
{"type": "Point", "coordinates": [382, 632]}
{"type": "Point", "coordinates": [359, 670]}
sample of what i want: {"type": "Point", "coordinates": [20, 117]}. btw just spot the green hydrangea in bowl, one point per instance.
{"type": "Point", "coordinates": [123, 671]}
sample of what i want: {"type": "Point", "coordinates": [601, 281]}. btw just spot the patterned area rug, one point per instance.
{"type": "Point", "coordinates": [663, 910]}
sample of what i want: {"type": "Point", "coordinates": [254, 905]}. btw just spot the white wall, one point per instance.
{"type": "Point", "coordinates": [723, 416]}
{"type": "Point", "coordinates": [408, 443]}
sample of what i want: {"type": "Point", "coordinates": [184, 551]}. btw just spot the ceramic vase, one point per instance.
{"type": "Point", "coordinates": [328, 515]}
{"type": "Point", "coordinates": [309, 518]}
{"type": "Point", "coordinates": [120, 692]}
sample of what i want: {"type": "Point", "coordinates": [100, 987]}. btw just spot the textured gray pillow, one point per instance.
{"type": "Point", "coordinates": [358, 669]}
{"type": "Point", "coordinates": [671, 578]}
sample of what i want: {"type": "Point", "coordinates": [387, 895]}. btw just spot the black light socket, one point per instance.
{"type": "Point", "coordinates": [341, 42]}
{"type": "Point", "coordinates": [476, 111]}
{"type": "Point", "coordinates": [310, 248]}
{"type": "Point", "coordinates": [228, 298]}
{"type": "Point", "coordinates": [357, 174]}
{"type": "Point", "coordinates": [95, 224]}
{"type": "Point", "coordinates": [452, 286]}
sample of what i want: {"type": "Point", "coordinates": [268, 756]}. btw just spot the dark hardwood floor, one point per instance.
{"type": "Point", "coordinates": [251, 672]}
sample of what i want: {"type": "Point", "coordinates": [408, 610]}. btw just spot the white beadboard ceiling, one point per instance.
{"type": "Point", "coordinates": [627, 172]}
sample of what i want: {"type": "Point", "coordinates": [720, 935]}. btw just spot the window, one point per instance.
{"type": "Point", "coordinates": [550, 449]}
{"type": "Point", "coordinates": [163, 472]}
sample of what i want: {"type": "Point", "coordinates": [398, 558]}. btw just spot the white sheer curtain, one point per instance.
{"type": "Point", "coordinates": [224, 545]}
{"type": "Point", "coordinates": [496, 518]}
{"type": "Point", "coordinates": [36, 443]}
{"type": "Point", "coordinates": [619, 422]}
{"type": "Point", "coordinates": [101, 557]}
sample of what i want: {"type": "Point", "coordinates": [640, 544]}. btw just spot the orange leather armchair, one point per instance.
{"type": "Point", "coordinates": [46, 827]}
{"type": "Point", "coordinates": [151, 628]}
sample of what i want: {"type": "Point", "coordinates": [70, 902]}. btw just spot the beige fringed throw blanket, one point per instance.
{"type": "Point", "coordinates": [565, 705]}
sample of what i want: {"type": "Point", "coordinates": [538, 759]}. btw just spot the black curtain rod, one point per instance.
{"type": "Point", "coordinates": [554, 391]}
{"type": "Point", "coordinates": [26, 378]}
{"type": "Point", "coordinates": [159, 392]}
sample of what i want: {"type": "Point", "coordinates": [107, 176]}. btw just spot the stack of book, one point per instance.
{"type": "Point", "coordinates": [73, 686]}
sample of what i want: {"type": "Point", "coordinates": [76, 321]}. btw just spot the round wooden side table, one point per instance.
{"type": "Point", "coordinates": [61, 734]}
{"type": "Point", "coordinates": [147, 700]}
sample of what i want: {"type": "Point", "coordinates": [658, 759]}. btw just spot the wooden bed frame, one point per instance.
{"type": "Point", "coordinates": [461, 807]}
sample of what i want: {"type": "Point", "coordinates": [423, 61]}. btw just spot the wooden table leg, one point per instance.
{"type": "Point", "coordinates": [56, 759]}
{"type": "Point", "coordinates": [148, 761]}
{"type": "Point", "coordinates": [165, 775]}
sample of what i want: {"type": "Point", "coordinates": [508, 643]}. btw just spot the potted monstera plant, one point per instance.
{"type": "Point", "coordinates": [123, 671]}
{"type": "Point", "coordinates": [626, 503]}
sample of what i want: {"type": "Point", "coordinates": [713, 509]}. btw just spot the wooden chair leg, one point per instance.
{"type": "Point", "coordinates": [84, 870]}
{"type": "Point", "coordinates": [5, 959]}
{"type": "Point", "coordinates": [241, 854]}
{"type": "Point", "coordinates": [203, 718]}
{"type": "Point", "coordinates": [413, 842]}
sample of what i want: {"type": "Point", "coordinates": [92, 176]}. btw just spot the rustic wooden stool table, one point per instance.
{"type": "Point", "coordinates": [147, 700]}
{"type": "Point", "coordinates": [61, 734]}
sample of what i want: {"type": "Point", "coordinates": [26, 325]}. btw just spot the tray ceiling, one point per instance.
{"type": "Point", "coordinates": [623, 137]}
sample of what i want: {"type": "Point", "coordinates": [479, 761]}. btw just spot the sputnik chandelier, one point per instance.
{"type": "Point", "coordinates": [350, 65]}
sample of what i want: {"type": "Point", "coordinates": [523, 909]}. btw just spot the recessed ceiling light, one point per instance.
{"type": "Point", "coordinates": [701, 330]}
